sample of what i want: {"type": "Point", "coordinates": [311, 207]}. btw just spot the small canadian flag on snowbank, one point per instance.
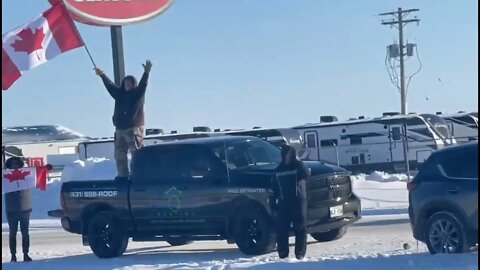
{"type": "Point", "coordinates": [33, 44]}
{"type": "Point", "coordinates": [24, 178]}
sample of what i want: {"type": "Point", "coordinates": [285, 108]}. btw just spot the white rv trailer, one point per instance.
{"type": "Point", "coordinates": [104, 147]}
{"type": "Point", "coordinates": [42, 144]}
{"type": "Point", "coordinates": [462, 125]}
{"type": "Point", "coordinates": [365, 145]}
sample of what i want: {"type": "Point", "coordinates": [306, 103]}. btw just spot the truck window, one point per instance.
{"type": "Point", "coordinates": [252, 155]}
{"type": "Point", "coordinates": [156, 164]}
{"type": "Point", "coordinates": [198, 163]}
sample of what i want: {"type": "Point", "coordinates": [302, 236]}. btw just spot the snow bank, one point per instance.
{"type": "Point", "coordinates": [382, 177]}
{"type": "Point", "coordinates": [90, 169]}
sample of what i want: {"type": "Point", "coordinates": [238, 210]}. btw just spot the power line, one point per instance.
{"type": "Point", "coordinates": [399, 21]}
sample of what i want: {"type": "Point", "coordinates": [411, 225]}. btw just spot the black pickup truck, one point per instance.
{"type": "Point", "coordinates": [215, 188]}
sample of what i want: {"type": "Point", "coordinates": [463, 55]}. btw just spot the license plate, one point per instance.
{"type": "Point", "coordinates": [336, 211]}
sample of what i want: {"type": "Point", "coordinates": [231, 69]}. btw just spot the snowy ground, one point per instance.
{"type": "Point", "coordinates": [375, 243]}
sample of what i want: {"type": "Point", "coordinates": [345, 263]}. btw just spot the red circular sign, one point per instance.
{"type": "Point", "coordinates": [114, 12]}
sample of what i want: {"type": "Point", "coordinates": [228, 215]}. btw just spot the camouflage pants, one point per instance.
{"type": "Point", "coordinates": [126, 140]}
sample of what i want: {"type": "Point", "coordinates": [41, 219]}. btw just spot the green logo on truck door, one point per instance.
{"type": "Point", "coordinates": [173, 199]}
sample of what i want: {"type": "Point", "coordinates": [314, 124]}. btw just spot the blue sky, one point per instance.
{"type": "Point", "coordinates": [239, 64]}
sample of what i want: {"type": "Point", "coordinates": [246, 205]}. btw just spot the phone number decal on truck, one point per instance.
{"type": "Point", "coordinates": [93, 194]}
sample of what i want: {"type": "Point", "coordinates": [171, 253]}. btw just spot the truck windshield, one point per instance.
{"type": "Point", "coordinates": [249, 154]}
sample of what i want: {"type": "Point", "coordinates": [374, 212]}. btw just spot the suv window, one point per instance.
{"type": "Point", "coordinates": [461, 165]}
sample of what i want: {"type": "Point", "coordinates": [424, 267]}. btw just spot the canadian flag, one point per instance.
{"type": "Point", "coordinates": [33, 44]}
{"type": "Point", "coordinates": [24, 178]}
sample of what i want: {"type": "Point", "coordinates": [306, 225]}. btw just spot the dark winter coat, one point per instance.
{"type": "Point", "coordinates": [128, 112]}
{"type": "Point", "coordinates": [18, 201]}
{"type": "Point", "coordinates": [290, 183]}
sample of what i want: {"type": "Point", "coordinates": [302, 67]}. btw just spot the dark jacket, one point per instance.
{"type": "Point", "coordinates": [290, 182]}
{"type": "Point", "coordinates": [18, 201]}
{"type": "Point", "coordinates": [128, 111]}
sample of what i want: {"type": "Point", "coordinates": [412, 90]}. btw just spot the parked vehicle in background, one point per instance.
{"type": "Point", "coordinates": [462, 125]}
{"type": "Point", "coordinates": [365, 145]}
{"type": "Point", "coordinates": [42, 144]}
{"type": "Point", "coordinates": [443, 200]}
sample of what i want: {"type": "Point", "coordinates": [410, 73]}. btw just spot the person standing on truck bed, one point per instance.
{"type": "Point", "coordinates": [128, 116]}
{"type": "Point", "coordinates": [291, 194]}
{"type": "Point", "coordinates": [18, 206]}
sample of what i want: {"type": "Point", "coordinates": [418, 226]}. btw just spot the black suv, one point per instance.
{"type": "Point", "coordinates": [443, 200]}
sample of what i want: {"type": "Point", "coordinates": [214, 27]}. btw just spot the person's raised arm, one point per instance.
{"type": "Point", "coordinates": [142, 85]}
{"type": "Point", "coordinates": [111, 87]}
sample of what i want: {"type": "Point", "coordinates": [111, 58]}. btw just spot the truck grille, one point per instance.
{"type": "Point", "coordinates": [322, 188]}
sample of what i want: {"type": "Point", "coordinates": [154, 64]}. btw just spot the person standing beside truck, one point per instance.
{"type": "Point", "coordinates": [18, 206]}
{"type": "Point", "coordinates": [128, 116]}
{"type": "Point", "coordinates": [291, 199]}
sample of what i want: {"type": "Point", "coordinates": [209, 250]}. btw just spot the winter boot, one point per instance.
{"type": "Point", "coordinates": [26, 258]}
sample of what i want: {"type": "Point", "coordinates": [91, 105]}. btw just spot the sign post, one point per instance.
{"type": "Point", "coordinates": [117, 53]}
{"type": "Point", "coordinates": [115, 14]}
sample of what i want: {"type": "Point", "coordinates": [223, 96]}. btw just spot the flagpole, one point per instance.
{"type": "Point", "coordinates": [83, 41]}
{"type": "Point", "coordinates": [89, 55]}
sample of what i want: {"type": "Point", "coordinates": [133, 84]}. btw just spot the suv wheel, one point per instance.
{"type": "Point", "coordinates": [445, 234]}
{"type": "Point", "coordinates": [329, 235]}
{"type": "Point", "coordinates": [106, 236]}
{"type": "Point", "coordinates": [254, 232]}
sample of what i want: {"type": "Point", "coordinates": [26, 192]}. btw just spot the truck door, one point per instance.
{"type": "Point", "coordinates": [198, 198]}
{"type": "Point", "coordinates": [179, 190]}
{"type": "Point", "coordinates": [153, 169]}
{"type": "Point", "coordinates": [311, 141]}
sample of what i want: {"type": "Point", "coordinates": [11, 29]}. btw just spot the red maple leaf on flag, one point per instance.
{"type": "Point", "coordinates": [16, 175]}
{"type": "Point", "coordinates": [29, 41]}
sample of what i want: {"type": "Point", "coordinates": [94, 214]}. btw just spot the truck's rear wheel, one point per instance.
{"type": "Point", "coordinates": [254, 232]}
{"type": "Point", "coordinates": [330, 235]}
{"type": "Point", "coordinates": [106, 236]}
{"type": "Point", "coordinates": [178, 241]}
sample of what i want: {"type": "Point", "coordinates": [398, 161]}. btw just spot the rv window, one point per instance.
{"type": "Point", "coordinates": [332, 142]}
{"type": "Point", "coordinates": [362, 158]}
{"type": "Point", "coordinates": [396, 134]}
{"type": "Point", "coordinates": [311, 141]}
{"type": "Point", "coordinates": [355, 140]}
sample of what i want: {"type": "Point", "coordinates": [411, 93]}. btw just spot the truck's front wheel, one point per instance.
{"type": "Point", "coordinates": [330, 235]}
{"type": "Point", "coordinates": [254, 233]}
{"type": "Point", "coordinates": [106, 237]}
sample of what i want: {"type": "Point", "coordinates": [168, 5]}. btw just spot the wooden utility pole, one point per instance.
{"type": "Point", "coordinates": [400, 21]}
